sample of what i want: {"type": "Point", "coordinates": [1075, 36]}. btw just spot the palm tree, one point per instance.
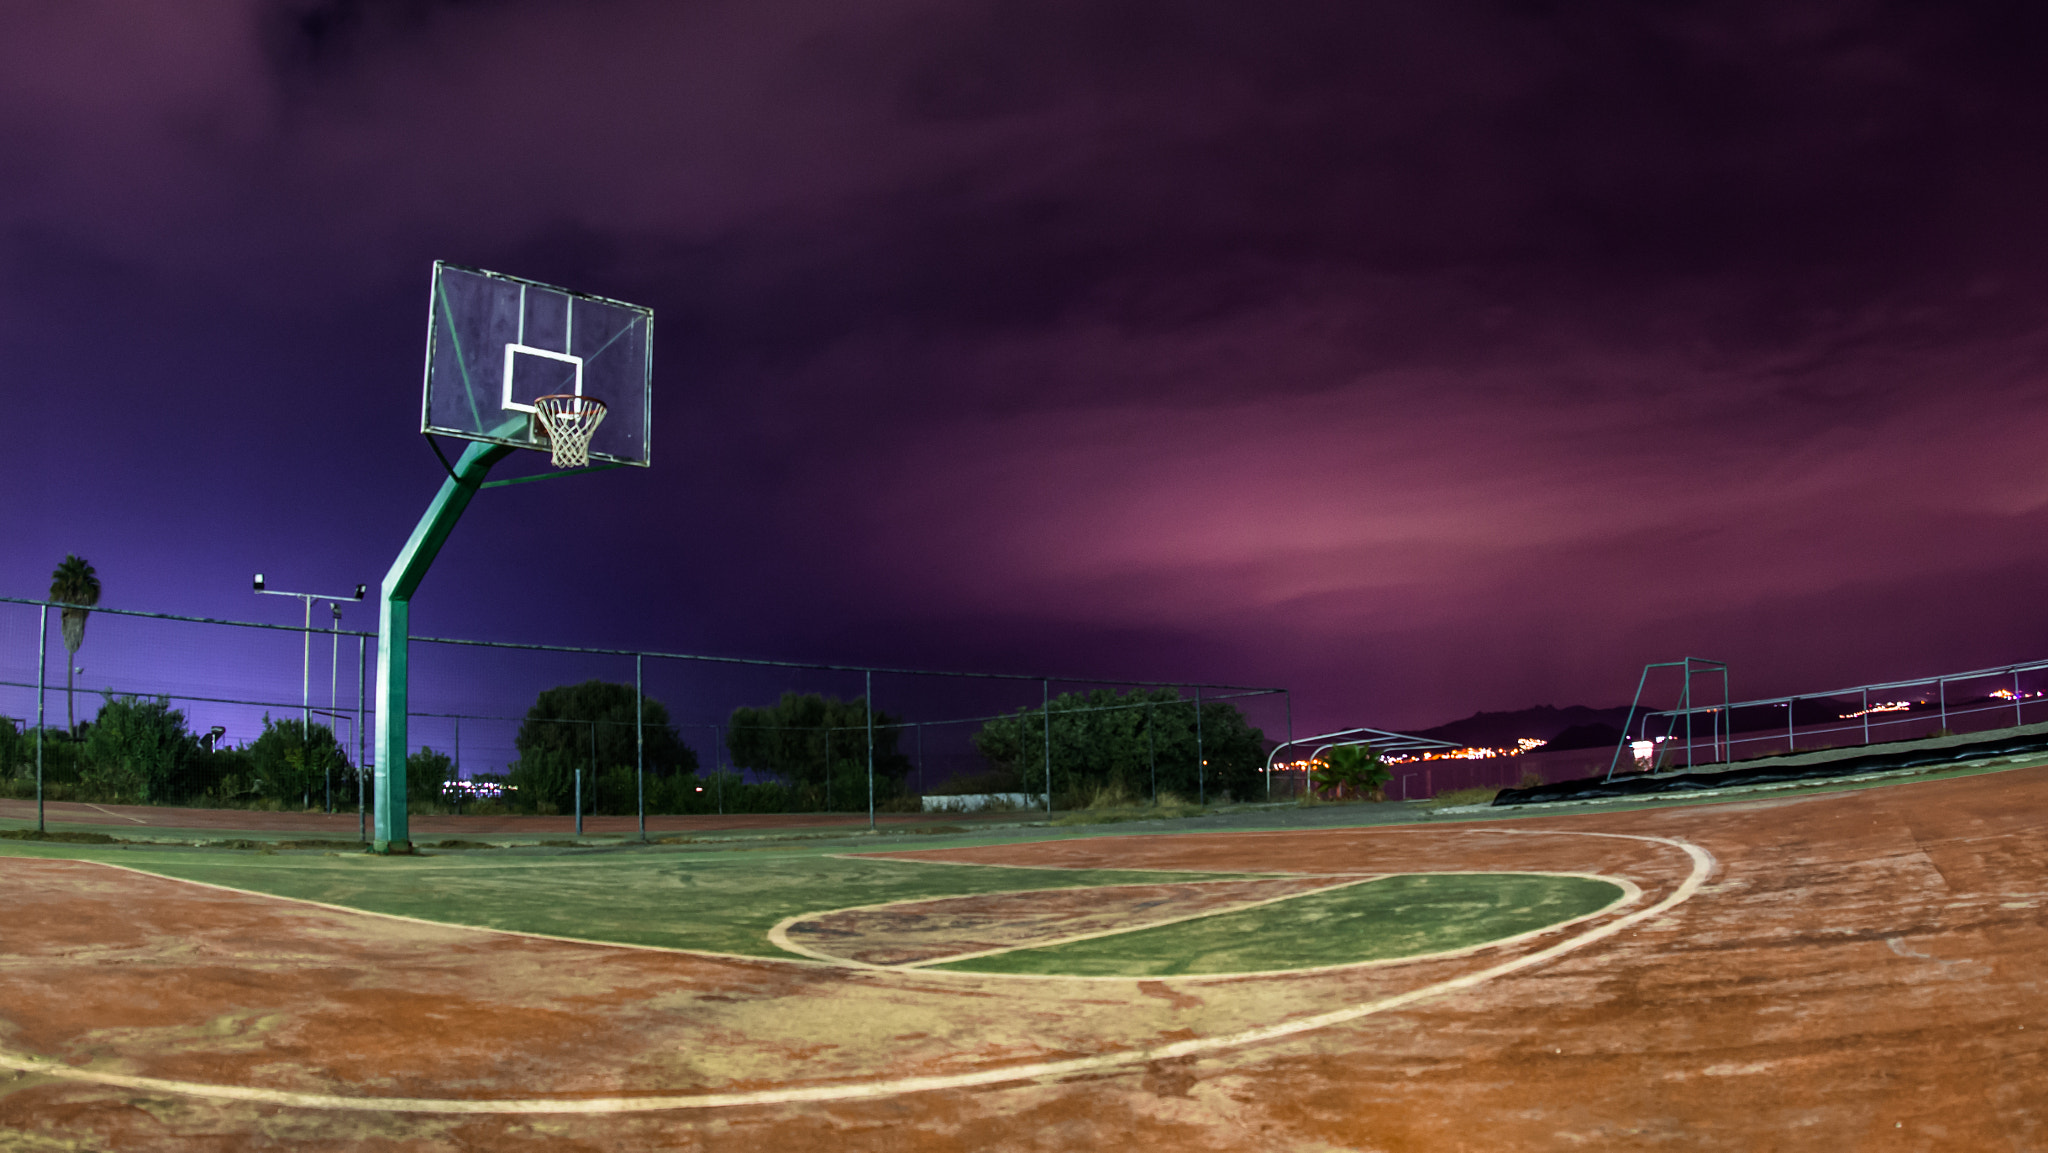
{"type": "Point", "coordinates": [1353, 768]}
{"type": "Point", "coordinates": [74, 583]}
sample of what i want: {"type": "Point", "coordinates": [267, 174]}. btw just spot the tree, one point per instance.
{"type": "Point", "coordinates": [1354, 769]}
{"type": "Point", "coordinates": [427, 772]}
{"type": "Point", "coordinates": [589, 727]}
{"type": "Point", "coordinates": [819, 745]}
{"type": "Point", "coordinates": [140, 748]}
{"type": "Point", "coordinates": [13, 748]}
{"type": "Point", "coordinates": [1133, 739]}
{"type": "Point", "coordinates": [291, 760]}
{"type": "Point", "coordinates": [74, 583]}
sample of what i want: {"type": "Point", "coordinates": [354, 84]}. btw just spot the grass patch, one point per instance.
{"type": "Point", "coordinates": [66, 837]}
{"type": "Point", "coordinates": [1458, 797]}
{"type": "Point", "coordinates": [1111, 803]}
{"type": "Point", "coordinates": [1401, 916]}
{"type": "Point", "coordinates": [273, 846]}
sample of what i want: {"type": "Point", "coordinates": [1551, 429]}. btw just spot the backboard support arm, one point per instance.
{"type": "Point", "coordinates": [390, 834]}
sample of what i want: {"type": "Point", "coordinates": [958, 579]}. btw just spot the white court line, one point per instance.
{"type": "Point", "coordinates": [779, 935]}
{"type": "Point", "coordinates": [1630, 894]}
{"type": "Point", "coordinates": [117, 816]}
{"type": "Point", "coordinates": [1702, 867]}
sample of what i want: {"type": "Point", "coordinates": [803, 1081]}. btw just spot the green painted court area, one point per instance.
{"type": "Point", "coordinates": [726, 902]}
{"type": "Point", "coordinates": [718, 902]}
{"type": "Point", "coordinates": [1398, 916]}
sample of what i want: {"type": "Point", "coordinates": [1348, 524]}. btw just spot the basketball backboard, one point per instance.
{"type": "Point", "coordinates": [495, 343]}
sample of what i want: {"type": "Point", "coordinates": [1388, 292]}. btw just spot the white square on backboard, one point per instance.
{"type": "Point", "coordinates": [512, 354]}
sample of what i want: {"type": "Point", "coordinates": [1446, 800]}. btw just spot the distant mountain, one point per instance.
{"type": "Point", "coordinates": [1543, 722]}
{"type": "Point", "coordinates": [1594, 736]}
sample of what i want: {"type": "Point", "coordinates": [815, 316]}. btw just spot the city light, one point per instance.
{"type": "Point", "coordinates": [1469, 752]}
{"type": "Point", "coordinates": [1885, 707]}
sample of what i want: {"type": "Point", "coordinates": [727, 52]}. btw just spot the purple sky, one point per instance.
{"type": "Point", "coordinates": [1423, 358]}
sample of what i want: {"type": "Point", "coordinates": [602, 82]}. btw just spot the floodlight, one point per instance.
{"type": "Point", "coordinates": [360, 589]}
{"type": "Point", "coordinates": [259, 582]}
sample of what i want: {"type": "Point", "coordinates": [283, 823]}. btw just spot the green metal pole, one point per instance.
{"type": "Point", "coordinates": [362, 741]}
{"type": "Point", "coordinates": [640, 743]}
{"type": "Point", "coordinates": [394, 629]}
{"type": "Point", "coordinates": [42, 663]}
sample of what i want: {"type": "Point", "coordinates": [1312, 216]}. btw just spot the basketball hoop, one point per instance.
{"type": "Point", "coordinates": [568, 421]}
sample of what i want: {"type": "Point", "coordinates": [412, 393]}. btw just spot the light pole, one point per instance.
{"type": "Point", "coordinates": [306, 656]}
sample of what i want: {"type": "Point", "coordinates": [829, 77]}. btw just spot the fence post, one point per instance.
{"type": "Point", "coordinates": [457, 782]}
{"type": "Point", "coordinates": [362, 738]}
{"type": "Point", "coordinates": [1685, 702]}
{"type": "Point", "coordinates": [868, 706]}
{"type": "Point", "coordinates": [2017, 717]}
{"type": "Point", "coordinates": [42, 663]}
{"type": "Point", "coordinates": [639, 744]}
{"type": "Point", "coordinates": [579, 798]}
{"type": "Point", "coordinates": [1152, 752]}
{"type": "Point", "coordinates": [1046, 689]}
{"type": "Point", "coordinates": [1287, 699]}
{"type": "Point", "coordinates": [1727, 720]}
{"type": "Point", "coordinates": [1201, 765]}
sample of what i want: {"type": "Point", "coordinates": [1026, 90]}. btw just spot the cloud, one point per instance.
{"type": "Point", "coordinates": [1462, 328]}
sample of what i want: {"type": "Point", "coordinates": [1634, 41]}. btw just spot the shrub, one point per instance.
{"type": "Point", "coordinates": [138, 750]}
{"type": "Point", "coordinates": [17, 751]}
{"type": "Point", "coordinates": [292, 762]}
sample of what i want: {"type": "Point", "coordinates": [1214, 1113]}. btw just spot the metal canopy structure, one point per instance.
{"type": "Point", "coordinates": [1384, 740]}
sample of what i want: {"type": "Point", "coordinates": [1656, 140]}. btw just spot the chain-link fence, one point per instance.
{"type": "Point", "coordinates": [282, 715]}
{"type": "Point", "coordinates": [1973, 701]}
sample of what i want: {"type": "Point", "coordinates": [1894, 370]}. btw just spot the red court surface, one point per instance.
{"type": "Point", "coordinates": [1855, 970]}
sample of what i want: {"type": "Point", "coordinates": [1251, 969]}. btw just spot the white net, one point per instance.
{"type": "Point", "coordinates": [569, 422]}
